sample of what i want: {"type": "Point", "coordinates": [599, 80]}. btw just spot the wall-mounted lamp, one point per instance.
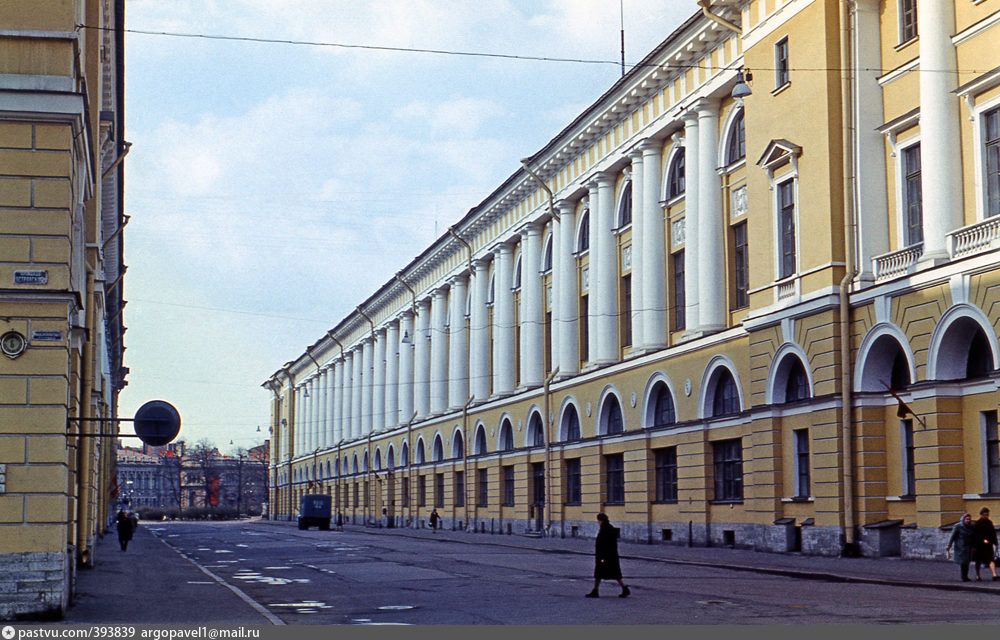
{"type": "Point", "coordinates": [742, 89]}
{"type": "Point", "coordinates": [305, 392]}
{"type": "Point", "coordinates": [406, 338]}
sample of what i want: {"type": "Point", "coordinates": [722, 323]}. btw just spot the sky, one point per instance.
{"type": "Point", "coordinates": [272, 186]}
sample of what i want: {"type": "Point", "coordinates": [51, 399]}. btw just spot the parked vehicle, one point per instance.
{"type": "Point", "coordinates": [314, 509]}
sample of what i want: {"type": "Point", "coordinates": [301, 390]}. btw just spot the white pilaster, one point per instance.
{"type": "Point", "coordinates": [638, 233]}
{"type": "Point", "coordinates": [653, 292]}
{"type": "Point", "coordinates": [347, 396]}
{"type": "Point", "coordinates": [458, 343]}
{"type": "Point", "coordinates": [565, 290]}
{"type": "Point", "coordinates": [357, 379]}
{"type": "Point", "coordinates": [392, 374]}
{"type": "Point", "coordinates": [503, 322]}
{"type": "Point", "coordinates": [422, 360]}
{"type": "Point", "coordinates": [940, 133]}
{"type": "Point", "coordinates": [378, 382]}
{"type": "Point", "coordinates": [338, 401]}
{"type": "Point", "coordinates": [367, 388]}
{"type": "Point", "coordinates": [532, 316]}
{"type": "Point", "coordinates": [711, 242]}
{"type": "Point", "coordinates": [479, 356]}
{"type": "Point", "coordinates": [604, 269]}
{"type": "Point", "coordinates": [439, 350]}
{"type": "Point", "coordinates": [692, 206]}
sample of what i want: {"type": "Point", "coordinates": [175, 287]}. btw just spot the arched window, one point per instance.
{"type": "Point", "coordinates": [438, 454]}
{"type": "Point", "coordinates": [900, 376]}
{"type": "Point", "coordinates": [390, 459]}
{"type": "Point", "coordinates": [726, 399]}
{"type": "Point", "coordinates": [405, 458]}
{"type": "Point", "coordinates": [583, 242]}
{"type": "Point", "coordinates": [481, 440]}
{"type": "Point", "coordinates": [797, 382]}
{"type": "Point", "coordinates": [336, 467]}
{"type": "Point", "coordinates": [364, 463]}
{"type": "Point", "coordinates": [378, 460]}
{"type": "Point", "coordinates": [506, 436]}
{"type": "Point", "coordinates": [458, 446]}
{"type": "Point", "coordinates": [547, 255]}
{"type": "Point", "coordinates": [737, 147]}
{"type": "Point", "coordinates": [663, 406]}
{"type": "Point", "coordinates": [611, 416]}
{"type": "Point", "coordinates": [980, 362]}
{"type": "Point", "coordinates": [354, 464]}
{"type": "Point", "coordinates": [492, 291]}
{"type": "Point", "coordinates": [675, 176]}
{"type": "Point", "coordinates": [517, 273]}
{"type": "Point", "coordinates": [420, 452]}
{"type": "Point", "coordinates": [571, 424]}
{"type": "Point", "coordinates": [625, 208]}
{"type": "Point", "coordinates": [963, 349]}
{"type": "Point", "coordinates": [535, 434]}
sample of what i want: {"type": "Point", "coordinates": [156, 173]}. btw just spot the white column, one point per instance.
{"type": "Point", "coordinates": [604, 296]}
{"type": "Point", "coordinates": [692, 202]}
{"type": "Point", "coordinates": [652, 293]}
{"type": "Point", "coordinates": [313, 403]}
{"type": "Point", "coordinates": [940, 133]}
{"type": "Point", "coordinates": [338, 401]}
{"type": "Point", "coordinates": [566, 291]}
{"type": "Point", "coordinates": [439, 350]}
{"type": "Point", "coordinates": [711, 241]}
{"type": "Point", "coordinates": [532, 316]}
{"type": "Point", "coordinates": [406, 367]}
{"type": "Point", "coordinates": [347, 396]}
{"type": "Point", "coordinates": [378, 382]}
{"type": "Point", "coordinates": [593, 200]}
{"type": "Point", "coordinates": [354, 367]}
{"type": "Point", "coordinates": [324, 420]}
{"type": "Point", "coordinates": [638, 233]}
{"type": "Point", "coordinates": [458, 343]}
{"type": "Point", "coordinates": [422, 360]}
{"type": "Point", "coordinates": [367, 386]}
{"type": "Point", "coordinates": [297, 422]}
{"type": "Point", "coordinates": [392, 374]}
{"type": "Point", "coordinates": [479, 358]}
{"type": "Point", "coordinates": [503, 322]}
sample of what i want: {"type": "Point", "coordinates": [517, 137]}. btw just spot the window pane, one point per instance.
{"type": "Point", "coordinates": [741, 265]}
{"type": "Point", "coordinates": [786, 203]}
{"type": "Point", "coordinates": [679, 302]}
{"type": "Point", "coordinates": [666, 474]}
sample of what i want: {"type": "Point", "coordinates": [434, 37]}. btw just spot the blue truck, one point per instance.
{"type": "Point", "coordinates": [314, 509]}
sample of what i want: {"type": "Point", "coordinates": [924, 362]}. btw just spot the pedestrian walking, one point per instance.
{"type": "Point", "coordinates": [984, 543]}
{"type": "Point", "coordinates": [606, 563]}
{"type": "Point", "coordinates": [961, 540]}
{"type": "Point", "coordinates": [435, 518]}
{"type": "Point", "coordinates": [125, 529]}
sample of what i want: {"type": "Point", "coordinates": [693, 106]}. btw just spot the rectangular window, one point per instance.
{"type": "Point", "coordinates": [508, 486]}
{"type": "Point", "coordinates": [666, 474]}
{"type": "Point", "coordinates": [547, 342]}
{"type": "Point", "coordinates": [538, 482]}
{"type": "Point", "coordinates": [438, 489]}
{"type": "Point", "coordinates": [912, 201]}
{"type": "Point", "coordinates": [367, 494]}
{"type": "Point", "coordinates": [626, 306]}
{"type": "Point", "coordinates": [421, 491]}
{"type": "Point", "coordinates": [727, 465]}
{"type": "Point", "coordinates": [992, 452]}
{"type": "Point", "coordinates": [357, 494]}
{"type": "Point", "coordinates": [614, 476]}
{"type": "Point", "coordinates": [907, 20]}
{"type": "Point", "coordinates": [786, 214]}
{"type": "Point", "coordinates": [909, 481]}
{"type": "Point", "coordinates": [991, 126]}
{"type": "Point", "coordinates": [573, 481]}
{"type": "Point", "coordinates": [482, 497]}
{"type": "Point", "coordinates": [741, 267]}
{"type": "Point", "coordinates": [406, 491]}
{"type": "Point", "coordinates": [584, 329]}
{"type": "Point", "coordinates": [459, 488]}
{"type": "Point", "coordinates": [781, 77]}
{"type": "Point", "coordinates": [679, 301]}
{"type": "Point", "coordinates": [803, 486]}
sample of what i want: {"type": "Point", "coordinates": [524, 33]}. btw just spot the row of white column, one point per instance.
{"type": "Point", "coordinates": [429, 361]}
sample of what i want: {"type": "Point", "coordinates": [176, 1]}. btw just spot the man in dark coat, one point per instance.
{"type": "Point", "coordinates": [125, 528]}
{"type": "Point", "coordinates": [606, 564]}
{"type": "Point", "coordinates": [984, 542]}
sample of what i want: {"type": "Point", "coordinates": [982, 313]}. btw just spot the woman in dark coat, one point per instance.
{"type": "Point", "coordinates": [125, 528]}
{"type": "Point", "coordinates": [961, 540]}
{"type": "Point", "coordinates": [984, 542]}
{"type": "Point", "coordinates": [606, 564]}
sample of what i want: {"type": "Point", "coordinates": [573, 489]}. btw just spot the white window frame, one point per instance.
{"type": "Point", "coordinates": [898, 149]}
{"type": "Point", "coordinates": [775, 180]}
{"type": "Point", "coordinates": [778, 84]}
{"type": "Point", "coordinates": [979, 153]}
{"type": "Point", "coordinates": [902, 39]}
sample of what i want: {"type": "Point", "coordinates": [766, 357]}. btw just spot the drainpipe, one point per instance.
{"type": "Point", "coordinates": [706, 6]}
{"type": "Point", "coordinates": [84, 449]}
{"type": "Point", "coordinates": [847, 418]}
{"type": "Point", "coordinates": [451, 231]}
{"type": "Point", "coordinates": [409, 466]}
{"type": "Point", "coordinates": [370, 323]}
{"type": "Point", "coordinates": [369, 503]}
{"type": "Point", "coordinates": [465, 457]}
{"type": "Point", "coordinates": [541, 183]}
{"type": "Point", "coordinates": [339, 344]}
{"type": "Point", "coordinates": [548, 447]}
{"type": "Point", "coordinates": [413, 294]}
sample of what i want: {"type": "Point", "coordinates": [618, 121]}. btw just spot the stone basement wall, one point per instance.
{"type": "Point", "coordinates": [34, 585]}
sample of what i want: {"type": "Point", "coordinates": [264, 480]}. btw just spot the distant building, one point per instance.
{"type": "Point", "coordinates": [62, 141]}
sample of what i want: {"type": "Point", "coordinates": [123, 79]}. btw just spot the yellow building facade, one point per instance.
{"type": "Point", "coordinates": [61, 141]}
{"type": "Point", "coordinates": [722, 306]}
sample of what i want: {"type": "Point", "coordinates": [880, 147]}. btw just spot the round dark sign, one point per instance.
{"type": "Point", "coordinates": [157, 423]}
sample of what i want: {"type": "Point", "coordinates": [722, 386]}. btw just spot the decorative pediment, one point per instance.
{"type": "Point", "coordinates": [778, 153]}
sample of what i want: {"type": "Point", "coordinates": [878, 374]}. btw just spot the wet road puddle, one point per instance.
{"type": "Point", "coordinates": [223, 551]}
{"type": "Point", "coordinates": [397, 607]}
{"type": "Point", "coordinates": [253, 576]}
{"type": "Point", "coordinates": [243, 546]}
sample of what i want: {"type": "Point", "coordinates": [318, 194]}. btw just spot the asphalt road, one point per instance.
{"type": "Point", "coordinates": [367, 577]}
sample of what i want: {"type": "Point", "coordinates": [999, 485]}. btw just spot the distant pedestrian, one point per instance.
{"type": "Point", "coordinates": [961, 540]}
{"type": "Point", "coordinates": [125, 529]}
{"type": "Point", "coordinates": [435, 518]}
{"type": "Point", "coordinates": [984, 543]}
{"type": "Point", "coordinates": [340, 521]}
{"type": "Point", "coordinates": [606, 562]}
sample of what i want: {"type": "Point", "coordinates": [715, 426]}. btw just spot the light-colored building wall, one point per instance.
{"type": "Point", "coordinates": [789, 457]}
